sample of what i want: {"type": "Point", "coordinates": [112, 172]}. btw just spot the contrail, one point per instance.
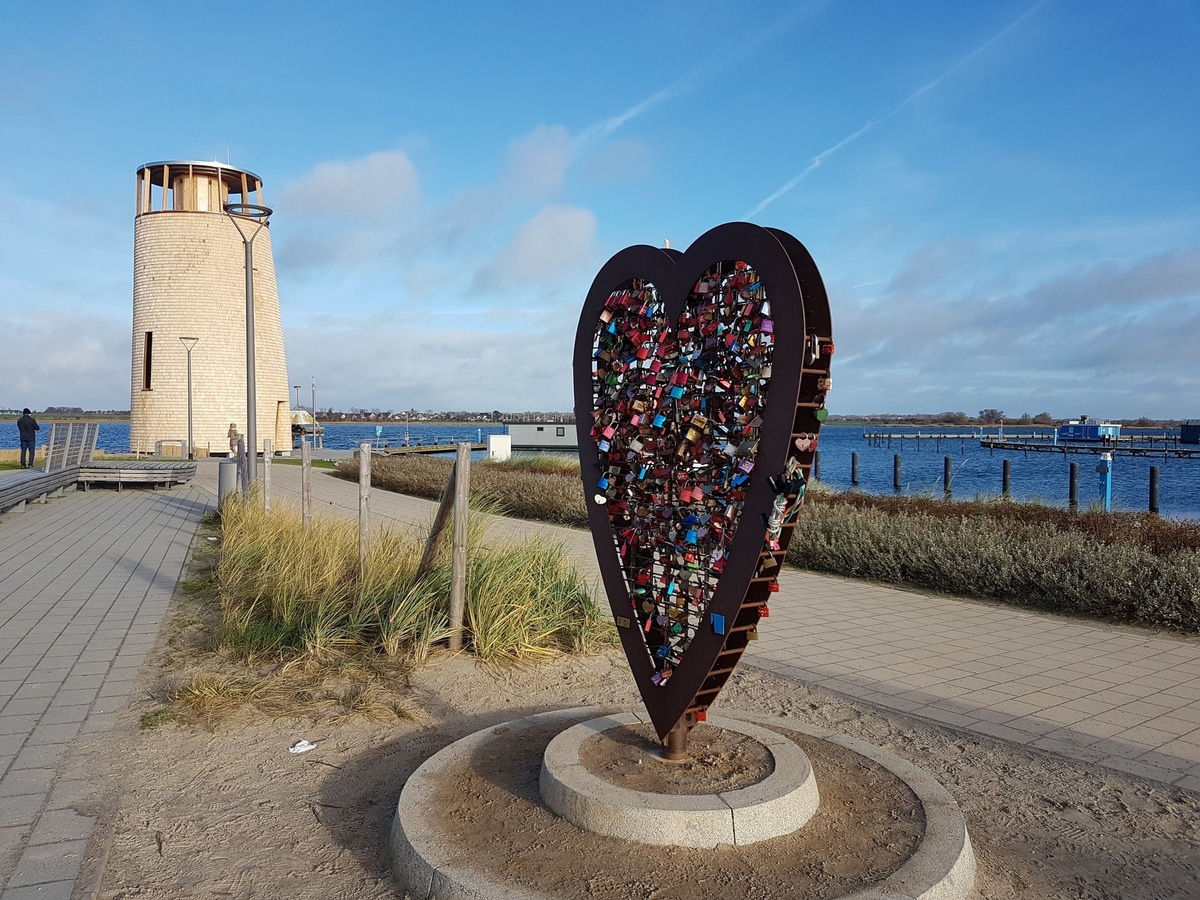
{"type": "Point", "coordinates": [820, 158]}
{"type": "Point", "coordinates": [697, 76]}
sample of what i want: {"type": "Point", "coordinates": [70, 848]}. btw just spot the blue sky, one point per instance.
{"type": "Point", "coordinates": [1002, 197]}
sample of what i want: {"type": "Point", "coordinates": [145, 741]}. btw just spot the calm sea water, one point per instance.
{"type": "Point", "coordinates": [977, 472]}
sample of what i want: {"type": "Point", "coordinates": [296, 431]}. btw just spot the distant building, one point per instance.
{"type": "Point", "coordinates": [189, 280]}
{"type": "Point", "coordinates": [542, 436]}
{"type": "Point", "coordinates": [1084, 429]}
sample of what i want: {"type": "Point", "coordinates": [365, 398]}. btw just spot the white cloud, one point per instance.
{"type": "Point", "coordinates": [538, 161]}
{"type": "Point", "coordinates": [375, 186]}
{"type": "Point", "coordinates": [396, 360]}
{"type": "Point", "coordinates": [554, 243]}
{"type": "Point", "coordinates": [65, 359]}
{"type": "Point", "coordinates": [1110, 336]}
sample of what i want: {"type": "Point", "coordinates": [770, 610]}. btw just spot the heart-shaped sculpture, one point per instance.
{"type": "Point", "coordinates": [700, 383]}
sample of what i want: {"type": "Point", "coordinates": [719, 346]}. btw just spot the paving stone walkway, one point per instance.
{"type": "Point", "coordinates": [85, 581]}
{"type": "Point", "coordinates": [1126, 698]}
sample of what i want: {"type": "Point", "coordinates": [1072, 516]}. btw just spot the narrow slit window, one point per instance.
{"type": "Point", "coordinates": [147, 355]}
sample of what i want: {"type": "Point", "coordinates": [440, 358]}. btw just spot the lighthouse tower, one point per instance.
{"type": "Point", "coordinates": [189, 282]}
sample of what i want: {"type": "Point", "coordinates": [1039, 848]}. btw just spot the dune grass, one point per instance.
{"type": "Point", "coordinates": [289, 593]}
{"type": "Point", "coordinates": [280, 619]}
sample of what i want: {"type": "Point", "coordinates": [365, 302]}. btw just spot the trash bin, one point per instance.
{"type": "Point", "coordinates": [227, 480]}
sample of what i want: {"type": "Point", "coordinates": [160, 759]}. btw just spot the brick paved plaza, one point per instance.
{"type": "Point", "coordinates": [85, 581]}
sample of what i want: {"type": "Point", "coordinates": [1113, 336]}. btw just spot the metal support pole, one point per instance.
{"type": "Point", "coordinates": [948, 476]}
{"type": "Point", "coordinates": [257, 215]}
{"type": "Point", "coordinates": [816, 466]}
{"type": "Point", "coordinates": [1006, 480]}
{"type": "Point", "coordinates": [675, 743]}
{"type": "Point", "coordinates": [854, 467]}
{"type": "Point", "coordinates": [1154, 490]}
{"type": "Point", "coordinates": [189, 343]}
{"type": "Point", "coordinates": [251, 382]}
{"type": "Point", "coordinates": [1073, 490]}
{"type": "Point", "coordinates": [896, 472]}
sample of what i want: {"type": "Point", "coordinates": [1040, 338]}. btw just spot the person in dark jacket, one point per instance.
{"type": "Point", "coordinates": [28, 427]}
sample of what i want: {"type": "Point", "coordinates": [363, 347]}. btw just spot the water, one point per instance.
{"type": "Point", "coordinates": [349, 436]}
{"type": "Point", "coordinates": [1044, 477]}
{"type": "Point", "coordinates": [977, 471]}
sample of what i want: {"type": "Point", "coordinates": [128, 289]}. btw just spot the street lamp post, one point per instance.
{"type": "Point", "coordinates": [189, 343]}
{"type": "Point", "coordinates": [251, 214]}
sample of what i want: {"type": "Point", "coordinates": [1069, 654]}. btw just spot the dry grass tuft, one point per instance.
{"type": "Point", "coordinates": [278, 619]}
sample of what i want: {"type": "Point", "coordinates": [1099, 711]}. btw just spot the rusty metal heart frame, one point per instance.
{"type": "Point", "coordinates": [682, 649]}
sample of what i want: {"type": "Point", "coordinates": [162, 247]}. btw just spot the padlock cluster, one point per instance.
{"type": "Point", "coordinates": [678, 408]}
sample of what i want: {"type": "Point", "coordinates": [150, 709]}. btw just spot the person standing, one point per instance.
{"type": "Point", "coordinates": [28, 427]}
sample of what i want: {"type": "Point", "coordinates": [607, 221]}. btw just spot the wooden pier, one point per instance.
{"type": "Point", "coordinates": [1118, 449]}
{"type": "Point", "coordinates": [422, 449]}
{"type": "Point", "coordinates": [884, 438]}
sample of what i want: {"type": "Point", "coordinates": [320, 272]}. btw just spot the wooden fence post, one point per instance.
{"type": "Point", "coordinates": [268, 452]}
{"type": "Point", "coordinates": [458, 572]}
{"type": "Point", "coordinates": [439, 525]}
{"type": "Point", "coordinates": [243, 467]}
{"type": "Point", "coordinates": [305, 484]}
{"type": "Point", "coordinates": [364, 506]}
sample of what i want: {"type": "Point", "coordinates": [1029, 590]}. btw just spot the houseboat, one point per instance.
{"type": "Point", "coordinates": [543, 435]}
{"type": "Point", "coordinates": [1084, 429]}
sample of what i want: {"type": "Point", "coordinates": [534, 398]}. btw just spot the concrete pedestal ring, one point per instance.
{"type": "Point", "coordinates": [777, 805]}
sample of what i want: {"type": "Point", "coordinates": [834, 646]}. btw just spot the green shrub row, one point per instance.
{"type": "Point", "coordinates": [541, 492]}
{"type": "Point", "coordinates": [1130, 567]}
{"type": "Point", "coordinates": [1028, 563]}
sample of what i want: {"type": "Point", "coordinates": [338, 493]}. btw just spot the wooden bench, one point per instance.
{"type": "Point", "coordinates": [70, 445]}
{"type": "Point", "coordinates": [121, 472]}
{"type": "Point", "coordinates": [69, 462]}
{"type": "Point", "coordinates": [18, 488]}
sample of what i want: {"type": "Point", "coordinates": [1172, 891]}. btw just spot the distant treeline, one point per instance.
{"type": "Point", "coordinates": [986, 417]}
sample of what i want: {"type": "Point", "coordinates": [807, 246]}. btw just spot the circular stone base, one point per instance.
{"type": "Point", "coordinates": [776, 804]}
{"type": "Point", "coordinates": [471, 823]}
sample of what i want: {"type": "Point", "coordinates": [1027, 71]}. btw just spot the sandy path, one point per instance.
{"type": "Point", "coordinates": [234, 814]}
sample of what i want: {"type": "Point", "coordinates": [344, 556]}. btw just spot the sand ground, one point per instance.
{"type": "Point", "coordinates": [230, 812]}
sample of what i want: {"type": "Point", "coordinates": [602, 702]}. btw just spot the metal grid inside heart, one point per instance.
{"type": "Point", "coordinates": [677, 411]}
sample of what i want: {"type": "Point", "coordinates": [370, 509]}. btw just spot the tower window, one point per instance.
{"type": "Point", "coordinates": [146, 359]}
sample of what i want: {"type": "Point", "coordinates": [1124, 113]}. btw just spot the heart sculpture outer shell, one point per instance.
{"type": "Point", "coordinates": [800, 333]}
